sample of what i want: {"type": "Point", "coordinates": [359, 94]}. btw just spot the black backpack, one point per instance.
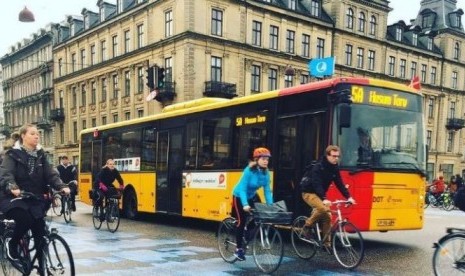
{"type": "Point", "coordinates": [459, 198]}
{"type": "Point", "coordinates": [306, 178]}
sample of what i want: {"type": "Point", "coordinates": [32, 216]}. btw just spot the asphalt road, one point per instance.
{"type": "Point", "coordinates": [168, 245]}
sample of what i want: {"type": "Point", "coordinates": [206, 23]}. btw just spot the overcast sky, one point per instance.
{"type": "Point", "coordinates": [47, 11]}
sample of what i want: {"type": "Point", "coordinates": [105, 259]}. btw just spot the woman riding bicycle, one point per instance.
{"type": "Point", "coordinates": [25, 169]}
{"type": "Point", "coordinates": [254, 176]}
{"type": "Point", "coordinates": [103, 184]}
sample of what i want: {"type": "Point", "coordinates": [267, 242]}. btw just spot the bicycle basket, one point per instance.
{"type": "Point", "coordinates": [276, 213]}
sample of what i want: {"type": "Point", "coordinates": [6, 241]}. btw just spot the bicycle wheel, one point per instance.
{"type": "Point", "coordinates": [56, 204]}
{"type": "Point", "coordinates": [267, 248]}
{"type": "Point", "coordinates": [226, 237]}
{"type": "Point", "coordinates": [304, 248]}
{"type": "Point", "coordinates": [449, 256]}
{"type": "Point", "coordinates": [448, 203]}
{"type": "Point", "coordinates": [96, 217]}
{"type": "Point", "coordinates": [58, 258]}
{"type": "Point", "coordinates": [112, 217]}
{"type": "Point", "coordinates": [67, 209]}
{"type": "Point", "coordinates": [348, 247]}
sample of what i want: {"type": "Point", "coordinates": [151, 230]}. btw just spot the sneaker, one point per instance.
{"type": "Point", "coordinates": [73, 207]}
{"type": "Point", "coordinates": [240, 254]}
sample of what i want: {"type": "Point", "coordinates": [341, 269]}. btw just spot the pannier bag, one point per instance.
{"type": "Point", "coordinates": [276, 213]}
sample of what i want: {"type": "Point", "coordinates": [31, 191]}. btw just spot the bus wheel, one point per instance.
{"type": "Point", "coordinates": [130, 204]}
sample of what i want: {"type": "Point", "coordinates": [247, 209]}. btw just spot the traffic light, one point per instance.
{"type": "Point", "coordinates": [150, 77]}
{"type": "Point", "coordinates": [161, 77]}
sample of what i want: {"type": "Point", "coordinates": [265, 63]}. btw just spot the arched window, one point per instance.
{"type": "Point", "coordinates": [373, 25]}
{"type": "Point", "coordinates": [456, 51]}
{"type": "Point", "coordinates": [350, 19]}
{"type": "Point", "coordinates": [361, 22]}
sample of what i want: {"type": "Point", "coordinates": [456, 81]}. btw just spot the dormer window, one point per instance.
{"type": "Point", "coordinates": [102, 14]}
{"type": "Point", "coordinates": [72, 28]}
{"type": "Point", "coordinates": [427, 21]}
{"type": "Point", "coordinates": [292, 4]}
{"type": "Point", "coordinates": [430, 43]}
{"type": "Point", "coordinates": [120, 6]}
{"type": "Point", "coordinates": [455, 20]}
{"type": "Point", "coordinates": [86, 22]}
{"type": "Point", "coordinates": [315, 8]}
{"type": "Point", "coordinates": [414, 39]}
{"type": "Point", "coordinates": [398, 34]}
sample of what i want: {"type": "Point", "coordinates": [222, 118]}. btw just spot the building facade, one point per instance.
{"type": "Point", "coordinates": [234, 48]}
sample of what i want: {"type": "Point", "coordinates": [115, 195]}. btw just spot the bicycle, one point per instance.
{"type": "Point", "coordinates": [61, 204]}
{"type": "Point", "coordinates": [108, 211]}
{"type": "Point", "coordinates": [265, 239]}
{"type": "Point", "coordinates": [346, 240]}
{"type": "Point", "coordinates": [449, 253]}
{"type": "Point", "coordinates": [57, 257]}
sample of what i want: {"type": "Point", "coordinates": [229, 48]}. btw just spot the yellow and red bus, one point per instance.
{"type": "Point", "coordinates": [186, 160]}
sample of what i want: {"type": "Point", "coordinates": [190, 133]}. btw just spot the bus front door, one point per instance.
{"type": "Point", "coordinates": [299, 143]}
{"type": "Point", "coordinates": [169, 171]}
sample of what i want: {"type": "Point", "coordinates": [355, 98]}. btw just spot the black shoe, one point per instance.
{"type": "Point", "coordinates": [73, 207]}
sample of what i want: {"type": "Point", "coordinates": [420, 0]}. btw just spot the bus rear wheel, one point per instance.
{"type": "Point", "coordinates": [130, 204]}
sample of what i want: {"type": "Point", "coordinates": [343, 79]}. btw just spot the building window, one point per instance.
{"type": "Point", "coordinates": [115, 86]}
{"type": "Point", "coordinates": [140, 36]}
{"type": "Point", "coordinates": [104, 90]}
{"type": "Point", "coordinates": [373, 25]}
{"type": "Point", "coordinates": [217, 22]}
{"type": "Point", "coordinates": [74, 97]}
{"type": "Point", "coordinates": [454, 80]}
{"type": "Point", "coordinates": [103, 50]}
{"type": "Point", "coordinates": [114, 45]}
{"type": "Point", "coordinates": [274, 34]}
{"type": "Point", "coordinates": [371, 60]}
{"type": "Point", "coordinates": [83, 58]}
{"type": "Point", "coordinates": [456, 50]}
{"type": "Point", "coordinates": [361, 22]}
{"type": "Point", "coordinates": [84, 124]}
{"type": "Point", "coordinates": [83, 95]}
{"type": "Point", "coordinates": [140, 113]}
{"type": "Point", "coordinates": [315, 8]}
{"type": "Point", "coordinates": [256, 33]}
{"type": "Point", "coordinates": [94, 122]}
{"type": "Point", "coordinates": [414, 39]}
{"type": "Point", "coordinates": [290, 40]}
{"type": "Point", "coordinates": [429, 135]}
{"type": "Point", "coordinates": [304, 79]}
{"type": "Point", "coordinates": [350, 19]}
{"type": "Point", "coordinates": [392, 65]}
{"type": "Point", "coordinates": [433, 75]}
{"type": "Point", "coordinates": [430, 44]}
{"type": "Point", "coordinates": [320, 48]}
{"type": "Point", "coordinates": [288, 81]}
{"type": "Point", "coordinates": [292, 4]}
{"type": "Point", "coordinates": [256, 72]}
{"type": "Point", "coordinates": [349, 55]}
{"type": "Point", "coordinates": [127, 116]}
{"type": "Point", "coordinates": [413, 69]}
{"type": "Point", "coordinates": [127, 41]}
{"type": "Point", "coordinates": [62, 133]}
{"type": "Point", "coordinates": [104, 120]}
{"type": "Point", "coordinates": [127, 83]}
{"type": "Point", "coordinates": [423, 73]}
{"type": "Point", "coordinates": [75, 132]}
{"type": "Point", "coordinates": [140, 80]}
{"type": "Point", "coordinates": [452, 110]}
{"type": "Point", "coordinates": [92, 54]}
{"type": "Point", "coordinates": [168, 23]}
{"type": "Point", "coordinates": [450, 141]}
{"type": "Point", "coordinates": [431, 108]}
{"type": "Point", "coordinates": [360, 57]}
{"type": "Point", "coordinates": [398, 34]}
{"type": "Point", "coordinates": [272, 79]}
{"type": "Point", "coordinates": [60, 67]}
{"type": "Point", "coordinates": [93, 92]}
{"type": "Point", "coordinates": [115, 118]}
{"type": "Point", "coordinates": [403, 65]}
{"type": "Point", "coordinates": [305, 45]}
{"type": "Point", "coordinates": [73, 62]}
{"type": "Point", "coordinates": [216, 65]}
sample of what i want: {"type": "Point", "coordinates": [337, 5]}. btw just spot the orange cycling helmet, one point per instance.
{"type": "Point", "coordinates": [261, 152]}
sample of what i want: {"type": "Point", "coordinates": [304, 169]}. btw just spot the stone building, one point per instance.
{"type": "Point", "coordinates": [234, 48]}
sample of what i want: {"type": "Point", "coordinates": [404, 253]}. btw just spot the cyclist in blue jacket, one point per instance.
{"type": "Point", "coordinates": [254, 177]}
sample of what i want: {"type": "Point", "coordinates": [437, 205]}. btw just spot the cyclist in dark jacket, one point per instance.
{"type": "Point", "coordinates": [68, 175]}
{"type": "Point", "coordinates": [25, 168]}
{"type": "Point", "coordinates": [323, 173]}
{"type": "Point", "coordinates": [103, 184]}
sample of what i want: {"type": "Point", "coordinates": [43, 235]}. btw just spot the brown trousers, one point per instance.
{"type": "Point", "coordinates": [320, 213]}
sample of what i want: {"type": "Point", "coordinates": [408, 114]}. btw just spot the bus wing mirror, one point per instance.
{"type": "Point", "coordinates": [345, 111]}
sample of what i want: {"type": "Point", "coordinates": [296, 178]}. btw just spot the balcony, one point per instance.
{"type": "Point", "coordinates": [455, 123]}
{"type": "Point", "coordinates": [5, 130]}
{"type": "Point", "coordinates": [166, 93]}
{"type": "Point", "coordinates": [57, 114]}
{"type": "Point", "coordinates": [220, 89]}
{"type": "Point", "coordinates": [44, 122]}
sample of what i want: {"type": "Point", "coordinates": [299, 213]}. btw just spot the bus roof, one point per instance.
{"type": "Point", "coordinates": [210, 103]}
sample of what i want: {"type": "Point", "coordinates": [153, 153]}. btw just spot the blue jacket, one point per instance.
{"type": "Point", "coordinates": [250, 182]}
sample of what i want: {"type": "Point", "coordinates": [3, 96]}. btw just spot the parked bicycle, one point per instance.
{"type": "Point", "coordinates": [57, 257]}
{"type": "Point", "coordinates": [444, 200]}
{"type": "Point", "coordinates": [449, 253]}
{"type": "Point", "coordinates": [346, 240]}
{"type": "Point", "coordinates": [264, 239]}
{"type": "Point", "coordinates": [108, 212]}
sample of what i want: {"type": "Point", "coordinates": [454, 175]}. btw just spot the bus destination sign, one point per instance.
{"type": "Point", "coordinates": [380, 97]}
{"type": "Point", "coordinates": [250, 120]}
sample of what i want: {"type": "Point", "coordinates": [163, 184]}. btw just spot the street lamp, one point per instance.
{"type": "Point", "coordinates": [26, 15]}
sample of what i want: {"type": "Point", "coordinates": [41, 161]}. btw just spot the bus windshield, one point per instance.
{"type": "Point", "coordinates": [383, 138]}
